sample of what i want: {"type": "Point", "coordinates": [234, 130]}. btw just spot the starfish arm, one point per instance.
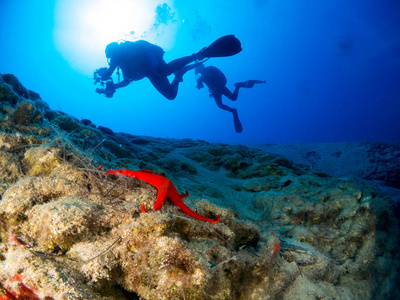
{"type": "Point", "coordinates": [113, 172]}
{"type": "Point", "coordinates": [162, 194]}
{"type": "Point", "coordinates": [158, 181]}
{"type": "Point", "coordinates": [146, 175]}
{"type": "Point", "coordinates": [185, 195]}
{"type": "Point", "coordinates": [176, 199]}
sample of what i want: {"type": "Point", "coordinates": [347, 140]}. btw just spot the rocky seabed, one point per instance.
{"type": "Point", "coordinates": [70, 230]}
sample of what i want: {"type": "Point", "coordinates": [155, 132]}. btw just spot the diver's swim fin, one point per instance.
{"type": "Point", "coordinates": [249, 83]}
{"type": "Point", "coordinates": [236, 122]}
{"type": "Point", "coordinates": [227, 45]}
{"type": "Point", "coordinates": [238, 126]}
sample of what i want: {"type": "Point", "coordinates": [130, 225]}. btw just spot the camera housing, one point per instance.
{"type": "Point", "coordinates": [99, 76]}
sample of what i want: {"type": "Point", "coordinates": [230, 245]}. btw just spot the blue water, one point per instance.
{"type": "Point", "coordinates": [332, 70]}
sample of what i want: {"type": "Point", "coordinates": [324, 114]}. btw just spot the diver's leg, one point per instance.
{"type": "Point", "coordinates": [218, 100]}
{"type": "Point", "coordinates": [236, 122]}
{"type": "Point", "coordinates": [232, 96]}
{"type": "Point", "coordinates": [182, 71]}
{"type": "Point", "coordinates": [167, 89]}
{"type": "Point", "coordinates": [177, 64]}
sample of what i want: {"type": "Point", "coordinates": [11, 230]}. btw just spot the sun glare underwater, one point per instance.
{"type": "Point", "coordinates": [331, 68]}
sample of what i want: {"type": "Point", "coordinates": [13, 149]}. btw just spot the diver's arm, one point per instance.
{"type": "Point", "coordinates": [121, 84]}
{"type": "Point", "coordinates": [111, 70]}
{"type": "Point", "coordinates": [126, 80]}
{"type": "Point", "coordinates": [111, 87]}
{"type": "Point", "coordinates": [108, 72]}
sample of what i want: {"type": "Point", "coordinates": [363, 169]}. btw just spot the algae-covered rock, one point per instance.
{"type": "Point", "coordinates": [240, 161]}
{"type": "Point", "coordinates": [66, 123]}
{"type": "Point", "coordinates": [26, 114]}
{"type": "Point", "coordinates": [30, 191]}
{"type": "Point", "coordinates": [91, 134]}
{"type": "Point", "coordinates": [106, 130]}
{"type": "Point", "coordinates": [23, 113]}
{"type": "Point", "coordinates": [18, 141]}
{"type": "Point", "coordinates": [16, 85]}
{"type": "Point", "coordinates": [41, 160]}
{"type": "Point", "coordinates": [7, 96]}
{"type": "Point", "coordinates": [35, 276]}
{"type": "Point", "coordinates": [118, 150]}
{"type": "Point", "coordinates": [57, 225]}
{"type": "Point", "coordinates": [50, 114]}
{"type": "Point", "coordinates": [37, 117]}
{"type": "Point", "coordinates": [40, 105]}
{"type": "Point", "coordinates": [10, 167]}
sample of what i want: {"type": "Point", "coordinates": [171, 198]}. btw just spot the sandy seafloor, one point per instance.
{"type": "Point", "coordinates": [298, 221]}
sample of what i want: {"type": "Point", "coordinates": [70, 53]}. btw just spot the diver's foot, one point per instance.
{"type": "Point", "coordinates": [179, 74]}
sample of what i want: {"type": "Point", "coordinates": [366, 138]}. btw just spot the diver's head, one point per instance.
{"type": "Point", "coordinates": [199, 69]}
{"type": "Point", "coordinates": [111, 50]}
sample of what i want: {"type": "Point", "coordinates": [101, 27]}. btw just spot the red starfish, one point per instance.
{"type": "Point", "coordinates": [166, 189]}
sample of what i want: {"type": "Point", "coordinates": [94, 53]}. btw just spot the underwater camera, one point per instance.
{"type": "Point", "coordinates": [108, 88]}
{"type": "Point", "coordinates": [200, 84]}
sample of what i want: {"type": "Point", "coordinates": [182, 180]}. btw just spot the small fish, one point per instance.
{"type": "Point", "coordinates": [286, 183]}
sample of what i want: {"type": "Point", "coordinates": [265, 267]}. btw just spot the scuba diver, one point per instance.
{"type": "Point", "coordinates": [216, 83]}
{"type": "Point", "coordinates": [142, 59]}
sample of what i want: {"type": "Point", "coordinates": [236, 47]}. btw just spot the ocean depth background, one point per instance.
{"type": "Point", "coordinates": [332, 67]}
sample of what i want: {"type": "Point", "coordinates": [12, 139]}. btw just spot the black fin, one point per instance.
{"type": "Point", "coordinates": [227, 45]}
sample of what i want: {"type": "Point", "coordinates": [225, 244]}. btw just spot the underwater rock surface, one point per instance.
{"type": "Point", "coordinates": [376, 163]}
{"type": "Point", "coordinates": [69, 230]}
